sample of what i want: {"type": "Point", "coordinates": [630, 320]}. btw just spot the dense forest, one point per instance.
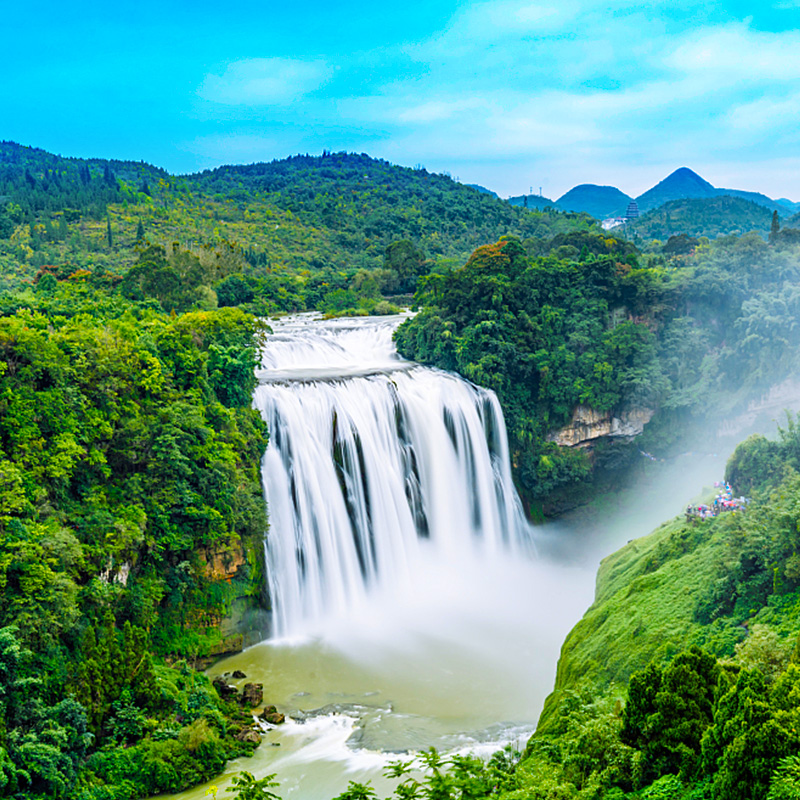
{"type": "Point", "coordinates": [302, 233]}
{"type": "Point", "coordinates": [686, 334]}
{"type": "Point", "coordinates": [128, 456]}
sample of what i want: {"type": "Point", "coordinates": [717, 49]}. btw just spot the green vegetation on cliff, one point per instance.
{"type": "Point", "coordinates": [681, 681]}
{"type": "Point", "coordinates": [584, 319]}
{"type": "Point", "coordinates": [128, 468]}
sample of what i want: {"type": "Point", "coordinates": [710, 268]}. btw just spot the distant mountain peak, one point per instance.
{"type": "Point", "coordinates": [599, 201]}
{"type": "Point", "coordinates": [681, 183]}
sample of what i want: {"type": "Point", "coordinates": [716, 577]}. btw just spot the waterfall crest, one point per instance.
{"type": "Point", "coordinates": [375, 467]}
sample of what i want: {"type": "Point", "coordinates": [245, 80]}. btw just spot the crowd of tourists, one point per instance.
{"type": "Point", "coordinates": [724, 501]}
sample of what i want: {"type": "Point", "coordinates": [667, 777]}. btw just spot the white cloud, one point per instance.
{"type": "Point", "coordinates": [736, 52]}
{"type": "Point", "coordinates": [264, 81]}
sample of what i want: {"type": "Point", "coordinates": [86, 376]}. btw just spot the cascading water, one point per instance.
{"type": "Point", "coordinates": [407, 618]}
{"type": "Point", "coordinates": [377, 471]}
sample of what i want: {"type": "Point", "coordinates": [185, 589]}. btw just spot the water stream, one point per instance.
{"type": "Point", "coordinates": [413, 603]}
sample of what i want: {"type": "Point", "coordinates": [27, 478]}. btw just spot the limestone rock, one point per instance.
{"type": "Point", "coordinates": [588, 425]}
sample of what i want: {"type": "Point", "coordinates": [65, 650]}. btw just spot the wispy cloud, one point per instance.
{"type": "Point", "coordinates": [264, 81]}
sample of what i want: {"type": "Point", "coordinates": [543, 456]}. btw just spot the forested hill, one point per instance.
{"type": "Point", "coordinates": [337, 211]}
{"type": "Point", "coordinates": [709, 216]}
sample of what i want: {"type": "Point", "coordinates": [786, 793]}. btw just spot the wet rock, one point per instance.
{"type": "Point", "coordinates": [248, 735]}
{"type": "Point", "coordinates": [238, 674]}
{"type": "Point", "coordinates": [272, 716]}
{"type": "Point", "coordinates": [224, 689]}
{"type": "Point", "coordinates": [252, 695]}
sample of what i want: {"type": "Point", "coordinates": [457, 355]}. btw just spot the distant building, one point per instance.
{"type": "Point", "coordinates": [612, 222]}
{"type": "Point", "coordinates": [633, 210]}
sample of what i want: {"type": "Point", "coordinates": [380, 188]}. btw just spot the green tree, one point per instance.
{"type": "Point", "coordinates": [669, 710]}
{"type": "Point", "coordinates": [775, 227]}
{"type": "Point", "coordinates": [244, 786]}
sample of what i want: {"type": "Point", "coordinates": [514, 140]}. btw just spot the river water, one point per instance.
{"type": "Point", "coordinates": [413, 604]}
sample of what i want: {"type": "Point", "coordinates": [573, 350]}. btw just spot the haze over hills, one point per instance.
{"type": "Point", "coordinates": [683, 183]}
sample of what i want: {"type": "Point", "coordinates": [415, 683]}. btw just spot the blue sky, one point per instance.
{"type": "Point", "coordinates": [506, 93]}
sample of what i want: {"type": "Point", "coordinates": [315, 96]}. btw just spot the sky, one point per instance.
{"type": "Point", "coordinates": [509, 94]}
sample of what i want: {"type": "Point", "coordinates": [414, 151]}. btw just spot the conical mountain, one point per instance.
{"type": "Point", "coordinates": [681, 183]}
{"type": "Point", "coordinates": [599, 201]}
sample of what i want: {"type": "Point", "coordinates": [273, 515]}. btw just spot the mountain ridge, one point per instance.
{"type": "Point", "coordinates": [681, 184]}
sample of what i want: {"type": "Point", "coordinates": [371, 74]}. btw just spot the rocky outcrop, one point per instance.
{"type": "Point", "coordinates": [222, 562]}
{"type": "Point", "coordinates": [588, 425]}
{"type": "Point", "coordinates": [252, 695]}
{"type": "Point", "coordinates": [243, 621]}
{"type": "Point", "coordinates": [272, 716]}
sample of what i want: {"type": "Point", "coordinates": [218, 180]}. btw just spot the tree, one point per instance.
{"type": "Point", "coordinates": [139, 232]}
{"type": "Point", "coordinates": [774, 227]}
{"type": "Point", "coordinates": [669, 710]}
{"type": "Point", "coordinates": [406, 264]}
{"type": "Point", "coordinates": [108, 232]}
{"type": "Point", "coordinates": [246, 787]}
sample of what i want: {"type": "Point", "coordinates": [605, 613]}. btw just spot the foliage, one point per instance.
{"type": "Point", "coordinates": [246, 787]}
{"type": "Point", "coordinates": [581, 319]}
{"type": "Point", "coordinates": [700, 623]}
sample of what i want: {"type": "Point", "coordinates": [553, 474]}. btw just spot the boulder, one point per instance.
{"type": "Point", "coordinates": [252, 695]}
{"type": "Point", "coordinates": [224, 689]}
{"type": "Point", "coordinates": [238, 675]}
{"type": "Point", "coordinates": [248, 735]}
{"type": "Point", "coordinates": [272, 716]}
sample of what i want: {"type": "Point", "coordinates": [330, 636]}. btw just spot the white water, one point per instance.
{"type": "Point", "coordinates": [377, 481]}
{"type": "Point", "coordinates": [449, 640]}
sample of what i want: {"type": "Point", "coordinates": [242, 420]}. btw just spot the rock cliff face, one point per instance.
{"type": "Point", "coordinates": [588, 425]}
{"type": "Point", "coordinates": [241, 566]}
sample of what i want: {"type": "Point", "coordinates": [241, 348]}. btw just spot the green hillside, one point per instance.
{"type": "Point", "coordinates": [695, 627]}
{"type": "Point", "coordinates": [710, 216]}
{"type": "Point", "coordinates": [306, 214]}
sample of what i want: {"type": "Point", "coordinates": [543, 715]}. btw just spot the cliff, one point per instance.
{"type": "Point", "coordinates": [588, 425]}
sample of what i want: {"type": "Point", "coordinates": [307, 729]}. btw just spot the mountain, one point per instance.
{"type": "Point", "coordinates": [532, 201]}
{"type": "Point", "coordinates": [684, 183]}
{"type": "Point", "coordinates": [599, 201]}
{"type": "Point", "coordinates": [681, 183]}
{"type": "Point", "coordinates": [702, 216]}
{"type": "Point", "coordinates": [781, 206]}
{"type": "Point", "coordinates": [298, 215]}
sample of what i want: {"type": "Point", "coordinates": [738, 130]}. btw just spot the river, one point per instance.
{"type": "Point", "coordinates": [414, 605]}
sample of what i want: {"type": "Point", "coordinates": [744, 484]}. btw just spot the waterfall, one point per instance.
{"type": "Point", "coordinates": [375, 467]}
